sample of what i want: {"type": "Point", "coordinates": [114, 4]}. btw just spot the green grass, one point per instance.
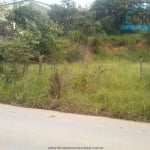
{"type": "Point", "coordinates": [110, 88]}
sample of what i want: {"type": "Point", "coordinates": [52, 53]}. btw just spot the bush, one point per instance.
{"type": "Point", "coordinates": [74, 55]}
{"type": "Point", "coordinates": [16, 56]}
{"type": "Point", "coordinates": [11, 73]}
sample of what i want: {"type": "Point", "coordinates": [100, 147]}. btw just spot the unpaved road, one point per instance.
{"type": "Point", "coordinates": [34, 129]}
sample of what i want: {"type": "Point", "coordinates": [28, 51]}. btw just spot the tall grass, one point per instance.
{"type": "Point", "coordinates": [111, 88]}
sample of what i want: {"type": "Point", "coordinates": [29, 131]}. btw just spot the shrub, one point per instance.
{"type": "Point", "coordinates": [74, 55]}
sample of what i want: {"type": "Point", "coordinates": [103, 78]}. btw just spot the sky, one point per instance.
{"type": "Point", "coordinates": [82, 3]}
{"type": "Point", "coordinates": [78, 2]}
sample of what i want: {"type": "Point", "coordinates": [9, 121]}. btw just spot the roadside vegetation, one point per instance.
{"type": "Point", "coordinates": [80, 62]}
{"type": "Point", "coordinates": [110, 88]}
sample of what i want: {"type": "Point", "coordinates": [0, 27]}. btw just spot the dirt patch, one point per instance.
{"type": "Point", "coordinates": [113, 47]}
{"type": "Point", "coordinates": [141, 45]}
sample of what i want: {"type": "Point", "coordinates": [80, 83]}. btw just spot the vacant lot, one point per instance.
{"type": "Point", "coordinates": [109, 88]}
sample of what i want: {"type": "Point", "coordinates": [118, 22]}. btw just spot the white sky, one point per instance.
{"type": "Point", "coordinates": [78, 2]}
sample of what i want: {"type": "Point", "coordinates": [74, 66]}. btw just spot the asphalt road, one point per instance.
{"type": "Point", "coordinates": [34, 129]}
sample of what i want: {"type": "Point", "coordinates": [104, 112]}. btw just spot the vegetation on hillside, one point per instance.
{"type": "Point", "coordinates": [76, 59]}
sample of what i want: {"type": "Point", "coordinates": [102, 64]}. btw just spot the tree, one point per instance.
{"type": "Point", "coordinates": [85, 22]}
{"type": "Point", "coordinates": [34, 35]}
{"type": "Point", "coordinates": [64, 14]}
{"type": "Point", "coordinates": [34, 28]}
{"type": "Point", "coordinates": [112, 13]}
{"type": "Point", "coordinates": [73, 18]}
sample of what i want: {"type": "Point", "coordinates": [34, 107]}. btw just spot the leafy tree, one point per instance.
{"type": "Point", "coordinates": [73, 18]}
{"type": "Point", "coordinates": [35, 28]}
{"type": "Point", "coordinates": [112, 13]}
{"type": "Point", "coordinates": [64, 14]}
{"type": "Point", "coordinates": [86, 23]}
